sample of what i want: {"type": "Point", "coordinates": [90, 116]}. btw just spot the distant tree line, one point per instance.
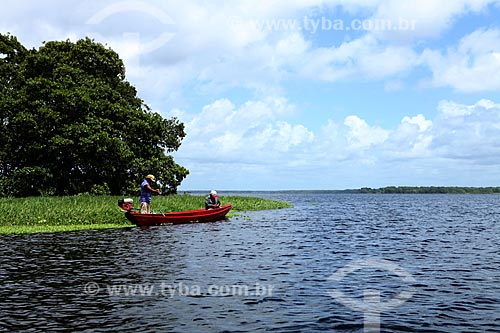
{"type": "Point", "coordinates": [430, 190]}
{"type": "Point", "coordinates": [70, 123]}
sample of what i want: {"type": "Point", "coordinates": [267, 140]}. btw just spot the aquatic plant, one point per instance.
{"type": "Point", "coordinates": [37, 214]}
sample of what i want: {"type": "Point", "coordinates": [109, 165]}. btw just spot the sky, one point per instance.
{"type": "Point", "coordinates": [304, 94]}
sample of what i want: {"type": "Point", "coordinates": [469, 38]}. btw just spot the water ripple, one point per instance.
{"type": "Point", "coordinates": [271, 271]}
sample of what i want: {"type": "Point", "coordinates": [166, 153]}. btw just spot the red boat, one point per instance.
{"type": "Point", "coordinates": [188, 216]}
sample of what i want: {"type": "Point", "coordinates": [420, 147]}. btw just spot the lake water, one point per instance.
{"type": "Point", "coordinates": [334, 262]}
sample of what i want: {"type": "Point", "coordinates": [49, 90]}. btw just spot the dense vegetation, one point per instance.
{"type": "Point", "coordinates": [35, 214]}
{"type": "Point", "coordinates": [430, 190]}
{"type": "Point", "coordinates": [70, 123]}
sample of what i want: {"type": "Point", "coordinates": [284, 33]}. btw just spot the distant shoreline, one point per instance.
{"type": "Point", "coordinates": [384, 190]}
{"type": "Point", "coordinates": [429, 190]}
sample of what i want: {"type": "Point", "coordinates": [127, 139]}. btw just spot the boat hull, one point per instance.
{"type": "Point", "coordinates": [189, 216]}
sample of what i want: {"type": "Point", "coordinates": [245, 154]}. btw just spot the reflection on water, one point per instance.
{"type": "Point", "coordinates": [271, 271]}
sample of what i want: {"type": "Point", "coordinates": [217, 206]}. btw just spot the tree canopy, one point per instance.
{"type": "Point", "coordinates": [71, 123]}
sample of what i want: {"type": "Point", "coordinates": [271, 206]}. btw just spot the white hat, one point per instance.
{"type": "Point", "coordinates": [213, 193]}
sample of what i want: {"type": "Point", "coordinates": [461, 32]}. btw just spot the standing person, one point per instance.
{"type": "Point", "coordinates": [146, 192]}
{"type": "Point", "coordinates": [212, 200]}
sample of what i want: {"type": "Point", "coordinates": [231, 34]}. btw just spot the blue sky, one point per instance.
{"type": "Point", "coordinates": [305, 94]}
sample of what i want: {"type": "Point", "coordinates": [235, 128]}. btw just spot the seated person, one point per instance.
{"type": "Point", "coordinates": [212, 200]}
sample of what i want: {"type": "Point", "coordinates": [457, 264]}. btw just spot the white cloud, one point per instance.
{"type": "Point", "coordinates": [430, 17]}
{"type": "Point", "coordinates": [217, 46]}
{"type": "Point", "coordinates": [411, 139]}
{"type": "Point", "coordinates": [419, 120]}
{"type": "Point", "coordinates": [260, 141]}
{"type": "Point", "coordinates": [469, 132]}
{"type": "Point", "coordinates": [452, 109]}
{"type": "Point", "coordinates": [362, 136]}
{"type": "Point", "coordinates": [363, 57]}
{"type": "Point", "coordinates": [462, 140]}
{"type": "Point", "coordinates": [464, 133]}
{"type": "Point", "coordinates": [253, 132]}
{"type": "Point", "coordinates": [473, 66]}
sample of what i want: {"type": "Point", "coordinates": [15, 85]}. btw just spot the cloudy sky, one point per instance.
{"type": "Point", "coordinates": [305, 94]}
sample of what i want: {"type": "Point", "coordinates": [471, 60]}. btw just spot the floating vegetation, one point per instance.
{"type": "Point", "coordinates": [50, 214]}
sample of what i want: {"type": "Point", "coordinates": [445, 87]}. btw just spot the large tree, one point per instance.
{"type": "Point", "coordinates": [71, 123]}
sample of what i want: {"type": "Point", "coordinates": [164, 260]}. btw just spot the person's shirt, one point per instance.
{"type": "Point", "coordinates": [211, 202]}
{"type": "Point", "coordinates": [145, 192]}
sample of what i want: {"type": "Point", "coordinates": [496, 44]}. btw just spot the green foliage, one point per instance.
{"type": "Point", "coordinates": [100, 189]}
{"type": "Point", "coordinates": [251, 203]}
{"type": "Point", "coordinates": [71, 123]}
{"type": "Point", "coordinates": [27, 181]}
{"type": "Point", "coordinates": [55, 228]}
{"type": "Point", "coordinates": [37, 214]}
{"type": "Point", "coordinates": [180, 202]}
{"type": "Point", "coordinates": [54, 211]}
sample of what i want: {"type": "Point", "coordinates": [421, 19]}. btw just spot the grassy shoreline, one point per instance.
{"type": "Point", "coordinates": [83, 212]}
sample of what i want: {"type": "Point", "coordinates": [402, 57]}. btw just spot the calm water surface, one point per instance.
{"type": "Point", "coordinates": [268, 271]}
